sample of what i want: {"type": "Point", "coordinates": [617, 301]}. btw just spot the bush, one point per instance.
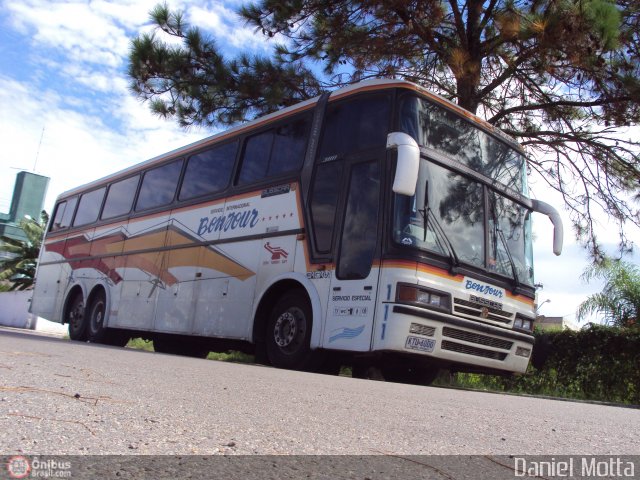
{"type": "Point", "coordinates": [596, 363]}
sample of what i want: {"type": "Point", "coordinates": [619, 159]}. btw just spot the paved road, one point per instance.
{"type": "Point", "coordinates": [62, 397]}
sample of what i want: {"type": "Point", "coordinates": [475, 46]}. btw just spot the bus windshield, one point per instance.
{"type": "Point", "coordinates": [436, 128]}
{"type": "Point", "coordinates": [455, 216]}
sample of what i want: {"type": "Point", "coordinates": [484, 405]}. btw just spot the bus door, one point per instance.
{"type": "Point", "coordinates": [353, 290]}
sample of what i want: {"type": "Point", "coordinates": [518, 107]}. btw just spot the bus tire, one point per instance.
{"type": "Point", "coordinates": [76, 318]}
{"type": "Point", "coordinates": [289, 331]}
{"type": "Point", "coordinates": [96, 331]}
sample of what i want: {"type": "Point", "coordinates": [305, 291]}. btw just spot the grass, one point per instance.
{"type": "Point", "coordinates": [229, 356]}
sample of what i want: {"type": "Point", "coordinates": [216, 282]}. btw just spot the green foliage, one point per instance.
{"type": "Point", "coordinates": [197, 85]}
{"type": "Point", "coordinates": [229, 356]}
{"type": "Point", "coordinates": [619, 301]}
{"type": "Point", "coordinates": [140, 344]}
{"type": "Point", "coordinates": [596, 363]}
{"type": "Point", "coordinates": [20, 268]}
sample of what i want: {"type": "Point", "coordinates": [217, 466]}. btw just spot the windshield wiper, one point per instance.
{"type": "Point", "coordinates": [516, 280]}
{"type": "Point", "coordinates": [438, 230]}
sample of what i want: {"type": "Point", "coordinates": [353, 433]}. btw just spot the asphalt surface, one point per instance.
{"type": "Point", "coordinates": [63, 397]}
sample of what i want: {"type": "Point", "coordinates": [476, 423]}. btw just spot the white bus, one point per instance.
{"type": "Point", "coordinates": [379, 226]}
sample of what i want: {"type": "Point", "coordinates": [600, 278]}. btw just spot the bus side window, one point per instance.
{"type": "Point", "coordinates": [159, 186]}
{"type": "Point", "coordinates": [208, 171]}
{"type": "Point", "coordinates": [89, 207]}
{"type": "Point", "coordinates": [120, 197]}
{"type": "Point", "coordinates": [360, 230]}
{"type": "Point", "coordinates": [324, 200]}
{"type": "Point", "coordinates": [57, 219]}
{"type": "Point", "coordinates": [288, 147]}
{"type": "Point", "coordinates": [274, 152]}
{"type": "Point", "coordinates": [355, 125]}
{"type": "Point", "coordinates": [255, 158]}
{"type": "Point", "coordinates": [65, 221]}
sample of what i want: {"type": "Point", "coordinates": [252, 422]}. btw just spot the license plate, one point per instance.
{"type": "Point", "coordinates": [422, 344]}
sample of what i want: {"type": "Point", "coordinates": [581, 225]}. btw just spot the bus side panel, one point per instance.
{"type": "Point", "coordinates": [143, 271]}
{"type": "Point", "coordinates": [51, 278]}
{"type": "Point", "coordinates": [106, 250]}
{"type": "Point", "coordinates": [319, 277]}
{"type": "Point", "coordinates": [186, 263]}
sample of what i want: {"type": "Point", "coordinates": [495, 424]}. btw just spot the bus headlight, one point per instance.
{"type": "Point", "coordinates": [422, 297]}
{"type": "Point", "coordinates": [523, 323]}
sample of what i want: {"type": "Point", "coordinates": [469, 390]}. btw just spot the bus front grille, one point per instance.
{"type": "Point", "coordinates": [476, 338]}
{"type": "Point", "coordinates": [473, 309]}
{"type": "Point", "coordinates": [469, 350]}
{"type": "Point", "coordinates": [419, 329]}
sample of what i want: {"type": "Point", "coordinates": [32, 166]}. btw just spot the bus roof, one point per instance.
{"type": "Point", "coordinates": [364, 86]}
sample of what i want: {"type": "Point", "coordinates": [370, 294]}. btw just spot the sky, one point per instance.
{"type": "Point", "coordinates": [66, 112]}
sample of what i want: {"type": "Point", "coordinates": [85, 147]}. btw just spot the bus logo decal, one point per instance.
{"type": "Point", "coordinates": [230, 221]}
{"type": "Point", "coordinates": [277, 253]}
{"type": "Point", "coordinates": [345, 332]}
{"type": "Point", "coordinates": [483, 288]}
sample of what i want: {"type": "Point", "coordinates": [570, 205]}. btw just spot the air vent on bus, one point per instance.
{"type": "Point", "coordinates": [472, 309]}
{"type": "Point", "coordinates": [476, 338]}
{"type": "Point", "coordinates": [469, 350]}
{"type": "Point", "coordinates": [422, 330]}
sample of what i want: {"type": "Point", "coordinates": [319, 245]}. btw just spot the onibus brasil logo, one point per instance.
{"type": "Point", "coordinates": [20, 466]}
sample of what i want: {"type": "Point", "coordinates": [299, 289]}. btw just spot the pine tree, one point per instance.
{"type": "Point", "coordinates": [560, 76]}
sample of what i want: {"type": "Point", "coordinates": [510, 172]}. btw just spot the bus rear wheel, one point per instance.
{"type": "Point", "coordinates": [97, 311]}
{"type": "Point", "coordinates": [75, 317]}
{"type": "Point", "coordinates": [289, 332]}
{"type": "Point", "coordinates": [97, 332]}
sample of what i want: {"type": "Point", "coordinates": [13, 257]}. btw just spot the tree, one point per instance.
{"type": "Point", "coordinates": [560, 76]}
{"type": "Point", "coordinates": [20, 267]}
{"type": "Point", "coordinates": [619, 301]}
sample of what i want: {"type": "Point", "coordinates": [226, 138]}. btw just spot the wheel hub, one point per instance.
{"type": "Point", "coordinates": [285, 329]}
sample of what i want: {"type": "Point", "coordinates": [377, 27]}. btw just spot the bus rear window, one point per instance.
{"type": "Point", "coordinates": [64, 213]}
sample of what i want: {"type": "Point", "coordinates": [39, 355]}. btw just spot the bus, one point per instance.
{"type": "Point", "coordinates": [378, 226]}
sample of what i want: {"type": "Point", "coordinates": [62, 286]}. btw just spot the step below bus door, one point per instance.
{"type": "Point", "coordinates": [352, 295]}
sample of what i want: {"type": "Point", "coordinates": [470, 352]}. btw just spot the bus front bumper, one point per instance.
{"type": "Point", "coordinates": [451, 339]}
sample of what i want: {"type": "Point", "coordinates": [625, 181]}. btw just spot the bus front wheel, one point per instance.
{"type": "Point", "coordinates": [75, 317]}
{"type": "Point", "coordinates": [289, 331]}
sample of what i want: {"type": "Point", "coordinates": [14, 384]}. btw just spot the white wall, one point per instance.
{"type": "Point", "coordinates": [14, 310]}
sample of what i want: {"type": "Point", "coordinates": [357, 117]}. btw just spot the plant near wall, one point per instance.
{"type": "Point", "coordinates": [619, 300]}
{"type": "Point", "coordinates": [19, 268]}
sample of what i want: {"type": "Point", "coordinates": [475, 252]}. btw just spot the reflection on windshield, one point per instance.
{"type": "Point", "coordinates": [509, 221]}
{"type": "Point", "coordinates": [457, 204]}
{"type": "Point", "coordinates": [435, 127]}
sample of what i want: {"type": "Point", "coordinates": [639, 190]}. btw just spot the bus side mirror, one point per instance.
{"type": "Point", "coordinates": [558, 232]}
{"type": "Point", "coordinates": [406, 177]}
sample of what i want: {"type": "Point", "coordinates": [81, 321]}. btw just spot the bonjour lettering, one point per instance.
{"type": "Point", "coordinates": [230, 221]}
